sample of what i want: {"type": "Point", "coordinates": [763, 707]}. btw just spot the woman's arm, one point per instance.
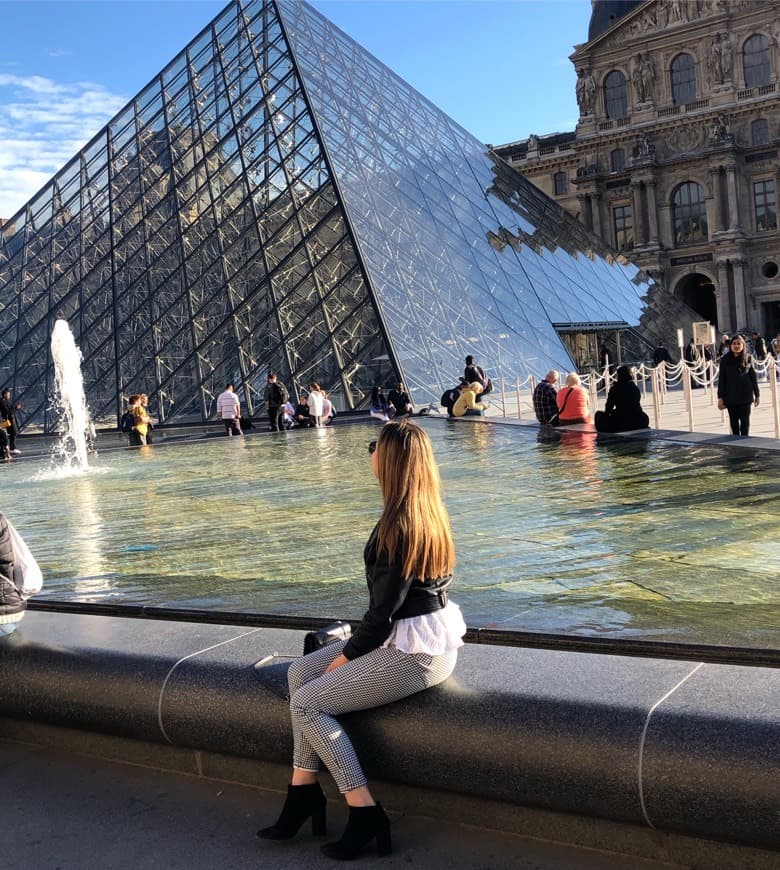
{"type": "Point", "coordinates": [388, 590]}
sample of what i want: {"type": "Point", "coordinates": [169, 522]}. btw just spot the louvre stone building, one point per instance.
{"type": "Point", "coordinates": [277, 199]}
{"type": "Point", "coordinates": [674, 160]}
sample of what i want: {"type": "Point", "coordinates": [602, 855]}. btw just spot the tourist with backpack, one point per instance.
{"type": "Point", "coordinates": [275, 398]}
{"type": "Point", "coordinates": [474, 373]}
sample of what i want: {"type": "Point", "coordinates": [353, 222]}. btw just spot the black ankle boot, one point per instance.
{"type": "Point", "coordinates": [303, 802]}
{"type": "Point", "coordinates": [363, 825]}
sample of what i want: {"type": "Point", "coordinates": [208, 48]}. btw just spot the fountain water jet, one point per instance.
{"type": "Point", "coordinates": [72, 449]}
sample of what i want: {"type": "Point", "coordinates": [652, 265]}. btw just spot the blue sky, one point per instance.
{"type": "Point", "coordinates": [498, 67]}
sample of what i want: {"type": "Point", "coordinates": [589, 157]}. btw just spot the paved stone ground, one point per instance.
{"type": "Point", "coordinates": [71, 812]}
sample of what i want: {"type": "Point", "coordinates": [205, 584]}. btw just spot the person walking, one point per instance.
{"type": "Point", "coordinates": [737, 386]}
{"type": "Point", "coordinates": [8, 416]}
{"type": "Point", "coordinates": [229, 410]}
{"type": "Point", "coordinates": [275, 398]}
{"type": "Point", "coordinates": [406, 642]}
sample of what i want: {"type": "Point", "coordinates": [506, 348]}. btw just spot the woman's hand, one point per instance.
{"type": "Point", "coordinates": [756, 402]}
{"type": "Point", "coordinates": [721, 405]}
{"type": "Point", "coordinates": [336, 663]}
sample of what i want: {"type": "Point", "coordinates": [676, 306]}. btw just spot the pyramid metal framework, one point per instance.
{"type": "Point", "coordinates": [277, 199]}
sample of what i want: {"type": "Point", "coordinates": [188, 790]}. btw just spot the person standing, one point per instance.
{"type": "Point", "coordinates": [229, 409]}
{"type": "Point", "coordinates": [316, 403]}
{"type": "Point", "coordinates": [545, 405]}
{"type": "Point", "coordinates": [8, 413]}
{"type": "Point", "coordinates": [406, 642]}
{"type": "Point", "coordinates": [759, 347]}
{"type": "Point", "coordinates": [275, 398]}
{"type": "Point", "coordinates": [142, 421]}
{"type": "Point", "coordinates": [737, 386]}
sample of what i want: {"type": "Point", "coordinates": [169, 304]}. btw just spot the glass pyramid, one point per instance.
{"type": "Point", "coordinates": [277, 199]}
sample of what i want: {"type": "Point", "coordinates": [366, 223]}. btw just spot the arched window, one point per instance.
{"type": "Point", "coordinates": [683, 72]}
{"type": "Point", "coordinates": [615, 95]}
{"type": "Point", "coordinates": [759, 132]}
{"type": "Point", "coordinates": [617, 160]}
{"type": "Point", "coordinates": [560, 183]}
{"type": "Point", "coordinates": [689, 214]}
{"type": "Point", "coordinates": [755, 61]}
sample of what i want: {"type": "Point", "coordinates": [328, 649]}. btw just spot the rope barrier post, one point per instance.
{"type": "Point", "coordinates": [593, 390]}
{"type": "Point", "coordinates": [688, 398]}
{"type": "Point", "coordinates": [656, 388]}
{"type": "Point", "coordinates": [517, 393]}
{"type": "Point", "coordinates": [503, 398]}
{"type": "Point", "coordinates": [711, 380]}
{"type": "Point", "coordinates": [772, 370]}
{"type": "Point", "coordinates": [644, 379]}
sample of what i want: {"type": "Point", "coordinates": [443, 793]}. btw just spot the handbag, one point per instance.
{"type": "Point", "coordinates": [315, 640]}
{"type": "Point", "coordinates": [5, 424]}
{"type": "Point", "coordinates": [28, 577]}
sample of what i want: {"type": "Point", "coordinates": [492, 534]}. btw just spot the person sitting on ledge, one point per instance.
{"type": "Point", "coordinates": [407, 641]}
{"type": "Point", "coordinates": [544, 399]}
{"type": "Point", "coordinates": [467, 404]}
{"type": "Point", "coordinates": [573, 402]}
{"type": "Point", "coordinates": [623, 411]}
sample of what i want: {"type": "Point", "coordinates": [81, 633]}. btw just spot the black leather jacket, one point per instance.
{"type": "Point", "coordinates": [11, 600]}
{"type": "Point", "coordinates": [391, 597]}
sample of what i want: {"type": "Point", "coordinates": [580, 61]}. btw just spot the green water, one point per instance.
{"type": "Point", "coordinates": [635, 539]}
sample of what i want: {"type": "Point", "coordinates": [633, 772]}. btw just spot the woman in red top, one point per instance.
{"type": "Point", "coordinates": [573, 403]}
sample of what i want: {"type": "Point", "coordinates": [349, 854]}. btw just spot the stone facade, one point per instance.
{"type": "Point", "coordinates": [675, 156]}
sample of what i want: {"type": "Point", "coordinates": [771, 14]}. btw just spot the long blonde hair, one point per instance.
{"type": "Point", "coordinates": [413, 508]}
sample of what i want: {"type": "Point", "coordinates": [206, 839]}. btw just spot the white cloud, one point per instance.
{"type": "Point", "coordinates": [43, 123]}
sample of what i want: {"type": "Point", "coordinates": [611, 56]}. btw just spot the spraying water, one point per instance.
{"type": "Point", "coordinates": [69, 395]}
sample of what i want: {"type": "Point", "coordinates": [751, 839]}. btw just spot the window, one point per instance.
{"type": "Point", "coordinates": [617, 160]}
{"type": "Point", "coordinates": [615, 95]}
{"type": "Point", "coordinates": [560, 183]}
{"type": "Point", "coordinates": [759, 132]}
{"type": "Point", "coordinates": [623, 223]}
{"type": "Point", "coordinates": [755, 61]}
{"type": "Point", "coordinates": [683, 79]}
{"type": "Point", "coordinates": [765, 202]}
{"type": "Point", "coordinates": [690, 214]}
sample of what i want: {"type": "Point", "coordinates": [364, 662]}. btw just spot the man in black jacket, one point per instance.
{"type": "Point", "coordinates": [8, 413]}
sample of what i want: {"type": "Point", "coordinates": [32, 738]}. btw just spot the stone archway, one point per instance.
{"type": "Point", "coordinates": [697, 291]}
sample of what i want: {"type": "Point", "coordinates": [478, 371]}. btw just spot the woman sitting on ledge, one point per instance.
{"type": "Point", "coordinates": [407, 641]}
{"type": "Point", "coordinates": [623, 410]}
{"type": "Point", "coordinates": [467, 403]}
{"type": "Point", "coordinates": [573, 403]}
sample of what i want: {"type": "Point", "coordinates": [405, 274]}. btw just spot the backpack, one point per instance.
{"type": "Point", "coordinates": [278, 394]}
{"type": "Point", "coordinates": [128, 422]}
{"type": "Point", "coordinates": [487, 384]}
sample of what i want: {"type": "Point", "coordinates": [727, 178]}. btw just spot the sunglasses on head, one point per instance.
{"type": "Point", "coordinates": [371, 446]}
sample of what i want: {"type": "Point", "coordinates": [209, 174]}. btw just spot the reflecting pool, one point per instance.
{"type": "Point", "coordinates": [633, 539]}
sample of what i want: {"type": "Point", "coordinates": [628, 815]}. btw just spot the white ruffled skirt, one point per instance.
{"type": "Point", "coordinates": [432, 633]}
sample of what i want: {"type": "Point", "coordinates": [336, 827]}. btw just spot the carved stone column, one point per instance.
{"type": "Point", "coordinates": [652, 212]}
{"type": "Point", "coordinates": [639, 216]}
{"type": "Point", "coordinates": [717, 198]}
{"type": "Point", "coordinates": [586, 214]}
{"type": "Point", "coordinates": [731, 184]}
{"type": "Point", "coordinates": [722, 297]}
{"type": "Point", "coordinates": [740, 302]}
{"type": "Point", "coordinates": [595, 199]}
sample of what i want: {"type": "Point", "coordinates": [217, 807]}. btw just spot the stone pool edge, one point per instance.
{"type": "Point", "coordinates": [668, 748]}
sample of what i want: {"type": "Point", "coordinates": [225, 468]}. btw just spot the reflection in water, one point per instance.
{"type": "Point", "coordinates": [614, 538]}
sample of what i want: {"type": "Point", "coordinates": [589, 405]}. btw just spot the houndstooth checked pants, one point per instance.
{"type": "Point", "coordinates": [379, 677]}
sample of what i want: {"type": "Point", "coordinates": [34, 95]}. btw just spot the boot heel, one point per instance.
{"type": "Point", "coordinates": [319, 826]}
{"type": "Point", "coordinates": [384, 842]}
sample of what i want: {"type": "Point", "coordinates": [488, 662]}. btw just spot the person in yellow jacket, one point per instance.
{"type": "Point", "coordinates": [467, 401]}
